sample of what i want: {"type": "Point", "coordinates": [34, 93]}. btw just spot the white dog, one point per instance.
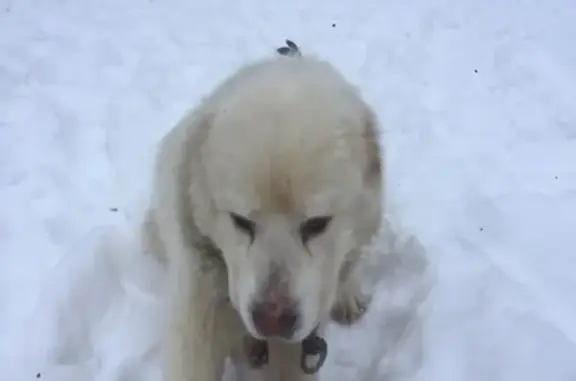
{"type": "Point", "coordinates": [263, 196]}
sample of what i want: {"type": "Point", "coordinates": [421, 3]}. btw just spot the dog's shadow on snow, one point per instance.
{"type": "Point", "coordinates": [100, 316]}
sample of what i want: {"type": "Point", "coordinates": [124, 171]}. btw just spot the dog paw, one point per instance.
{"type": "Point", "coordinates": [349, 308]}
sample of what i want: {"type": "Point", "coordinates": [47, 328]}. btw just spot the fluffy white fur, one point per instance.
{"type": "Point", "coordinates": [280, 141]}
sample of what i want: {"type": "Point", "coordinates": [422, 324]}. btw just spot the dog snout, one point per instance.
{"type": "Point", "coordinates": [278, 318]}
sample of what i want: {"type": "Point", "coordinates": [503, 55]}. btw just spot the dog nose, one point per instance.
{"type": "Point", "coordinates": [275, 318]}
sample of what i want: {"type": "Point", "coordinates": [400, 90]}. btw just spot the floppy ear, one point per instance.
{"type": "Point", "coordinates": [170, 204]}
{"type": "Point", "coordinates": [200, 208]}
{"type": "Point", "coordinates": [373, 152]}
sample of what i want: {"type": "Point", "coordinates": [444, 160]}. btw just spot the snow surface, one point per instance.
{"type": "Point", "coordinates": [477, 100]}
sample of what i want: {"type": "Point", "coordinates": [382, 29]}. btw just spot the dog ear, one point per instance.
{"type": "Point", "coordinates": [373, 150]}
{"type": "Point", "coordinates": [193, 175]}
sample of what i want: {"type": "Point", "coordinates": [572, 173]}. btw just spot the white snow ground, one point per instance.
{"type": "Point", "coordinates": [477, 99]}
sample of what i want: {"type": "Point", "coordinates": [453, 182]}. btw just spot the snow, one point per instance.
{"type": "Point", "coordinates": [476, 100]}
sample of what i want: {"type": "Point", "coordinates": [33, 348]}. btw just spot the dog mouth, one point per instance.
{"type": "Point", "coordinates": [297, 337]}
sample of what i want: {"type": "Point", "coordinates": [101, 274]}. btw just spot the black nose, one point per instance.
{"type": "Point", "coordinates": [279, 318]}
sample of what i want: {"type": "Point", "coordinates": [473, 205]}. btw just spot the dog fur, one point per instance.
{"type": "Point", "coordinates": [279, 141]}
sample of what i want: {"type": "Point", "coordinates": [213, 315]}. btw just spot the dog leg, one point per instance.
{"type": "Point", "coordinates": [351, 304]}
{"type": "Point", "coordinates": [285, 364]}
{"type": "Point", "coordinates": [243, 370]}
{"type": "Point", "coordinates": [202, 330]}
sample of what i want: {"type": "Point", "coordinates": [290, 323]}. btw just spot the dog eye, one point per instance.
{"type": "Point", "coordinates": [243, 224]}
{"type": "Point", "coordinates": [314, 227]}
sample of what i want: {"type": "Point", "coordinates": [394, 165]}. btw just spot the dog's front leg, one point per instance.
{"type": "Point", "coordinates": [199, 332]}
{"type": "Point", "coordinates": [285, 362]}
{"type": "Point", "coordinates": [351, 304]}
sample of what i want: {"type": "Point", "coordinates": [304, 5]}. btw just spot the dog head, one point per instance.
{"type": "Point", "coordinates": [291, 176]}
